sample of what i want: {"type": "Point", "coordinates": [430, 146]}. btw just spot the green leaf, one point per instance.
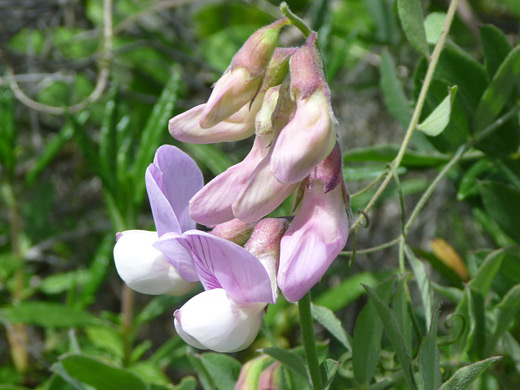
{"type": "Point", "coordinates": [494, 98]}
{"type": "Point", "coordinates": [501, 202]}
{"type": "Point", "coordinates": [402, 316]}
{"type": "Point", "coordinates": [350, 289]}
{"type": "Point", "coordinates": [393, 93]}
{"type": "Point", "coordinates": [156, 127]}
{"type": "Point", "coordinates": [187, 383]}
{"type": "Point", "coordinates": [385, 23]}
{"type": "Point", "coordinates": [366, 172]}
{"type": "Point", "coordinates": [454, 294]}
{"type": "Point", "coordinates": [288, 358]}
{"type": "Point", "coordinates": [7, 130]}
{"type": "Point", "coordinates": [387, 153]}
{"type": "Point", "coordinates": [496, 47]}
{"type": "Point", "coordinates": [366, 344]}
{"type": "Point", "coordinates": [391, 326]}
{"type": "Point", "coordinates": [464, 377]}
{"type": "Point", "coordinates": [468, 186]}
{"type": "Point", "coordinates": [58, 283]}
{"type": "Point", "coordinates": [328, 371]}
{"type": "Point", "coordinates": [439, 118]}
{"type": "Point", "coordinates": [204, 378]}
{"type": "Point", "coordinates": [507, 311]}
{"type": "Point", "coordinates": [107, 338]}
{"type": "Point", "coordinates": [47, 314]}
{"type": "Point", "coordinates": [423, 282]}
{"type": "Point", "coordinates": [330, 322]}
{"type": "Point", "coordinates": [429, 357]}
{"type": "Point", "coordinates": [97, 270]}
{"type": "Point", "coordinates": [223, 369]}
{"type": "Point", "coordinates": [412, 20]}
{"type": "Point", "coordinates": [107, 135]}
{"type": "Point", "coordinates": [158, 305]}
{"type": "Point", "coordinates": [52, 147]}
{"type": "Point", "coordinates": [433, 26]}
{"type": "Point", "coordinates": [482, 280]}
{"type": "Point", "coordinates": [100, 375]}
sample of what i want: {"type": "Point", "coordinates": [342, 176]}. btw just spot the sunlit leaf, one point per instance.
{"type": "Point", "coordinates": [437, 121]}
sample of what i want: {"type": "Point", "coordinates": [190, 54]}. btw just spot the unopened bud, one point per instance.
{"type": "Point", "coordinates": [251, 372]}
{"type": "Point", "coordinates": [329, 170]}
{"type": "Point", "coordinates": [235, 231]}
{"type": "Point", "coordinates": [271, 377]}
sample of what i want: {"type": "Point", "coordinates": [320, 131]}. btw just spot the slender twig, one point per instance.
{"type": "Point", "coordinates": [295, 20]}
{"type": "Point", "coordinates": [373, 249]}
{"type": "Point", "coordinates": [309, 343]}
{"type": "Point", "coordinates": [417, 111]}
{"type": "Point", "coordinates": [370, 185]}
{"type": "Point", "coordinates": [101, 82]}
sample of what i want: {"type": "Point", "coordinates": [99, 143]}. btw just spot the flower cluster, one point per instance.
{"type": "Point", "coordinates": [280, 96]}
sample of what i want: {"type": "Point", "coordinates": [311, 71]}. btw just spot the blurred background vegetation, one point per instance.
{"type": "Point", "coordinates": [86, 90]}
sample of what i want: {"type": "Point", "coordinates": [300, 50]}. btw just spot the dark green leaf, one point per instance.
{"type": "Point", "coordinates": [402, 316]}
{"type": "Point", "coordinates": [412, 20]}
{"type": "Point", "coordinates": [501, 202]}
{"type": "Point", "coordinates": [429, 357]}
{"type": "Point", "coordinates": [395, 99]}
{"type": "Point", "coordinates": [330, 322]}
{"type": "Point", "coordinates": [100, 375]}
{"type": "Point", "coordinates": [7, 130]}
{"type": "Point", "coordinates": [465, 376]}
{"type": "Point", "coordinates": [47, 314]}
{"type": "Point", "coordinates": [223, 369]}
{"type": "Point", "coordinates": [290, 359]}
{"type": "Point", "coordinates": [156, 127]}
{"type": "Point", "coordinates": [204, 377]}
{"type": "Point", "coordinates": [366, 344]}
{"type": "Point", "coordinates": [496, 47]}
{"type": "Point", "coordinates": [391, 326]}
{"type": "Point", "coordinates": [384, 20]}
{"type": "Point", "coordinates": [498, 91]}
{"type": "Point", "coordinates": [507, 311]}
{"type": "Point", "coordinates": [468, 186]}
{"type": "Point", "coordinates": [386, 153]}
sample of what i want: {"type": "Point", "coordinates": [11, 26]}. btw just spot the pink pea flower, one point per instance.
{"type": "Point", "coordinates": [318, 232]}
{"type": "Point", "coordinates": [309, 136]}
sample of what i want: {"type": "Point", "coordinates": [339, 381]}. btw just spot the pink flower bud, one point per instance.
{"type": "Point", "coordinates": [212, 204]}
{"type": "Point", "coordinates": [251, 372]}
{"type": "Point", "coordinates": [264, 244]}
{"type": "Point", "coordinates": [241, 82]}
{"type": "Point", "coordinates": [235, 231]}
{"type": "Point", "coordinates": [316, 236]}
{"type": "Point", "coordinates": [271, 377]}
{"type": "Point", "coordinates": [310, 135]}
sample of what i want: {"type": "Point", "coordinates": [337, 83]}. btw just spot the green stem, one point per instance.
{"type": "Point", "coordinates": [304, 306]}
{"type": "Point", "coordinates": [295, 20]}
{"type": "Point", "coordinates": [372, 249]}
{"type": "Point", "coordinates": [417, 111]}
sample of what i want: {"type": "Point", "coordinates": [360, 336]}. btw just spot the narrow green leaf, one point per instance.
{"type": "Point", "coordinates": [58, 283]}
{"type": "Point", "coordinates": [494, 98]}
{"type": "Point", "coordinates": [412, 20]}
{"type": "Point", "coordinates": [464, 377]}
{"type": "Point", "coordinates": [501, 202]}
{"type": "Point", "coordinates": [97, 270]}
{"type": "Point", "coordinates": [393, 93]}
{"type": "Point", "coordinates": [454, 294]}
{"type": "Point", "coordinates": [512, 348]}
{"type": "Point", "coordinates": [100, 375]}
{"type": "Point", "coordinates": [328, 319]}
{"type": "Point", "coordinates": [47, 314]}
{"type": "Point", "coordinates": [366, 344]}
{"type": "Point", "coordinates": [496, 47]}
{"type": "Point", "coordinates": [7, 130]}
{"type": "Point", "coordinates": [366, 172]}
{"type": "Point", "coordinates": [402, 316]}
{"type": "Point", "coordinates": [507, 311]}
{"type": "Point", "coordinates": [468, 186]}
{"type": "Point", "coordinates": [290, 359]}
{"type": "Point", "coordinates": [423, 282]}
{"type": "Point", "coordinates": [429, 357]}
{"type": "Point", "coordinates": [385, 22]}
{"type": "Point", "coordinates": [433, 26]}
{"type": "Point", "coordinates": [52, 147]}
{"type": "Point", "coordinates": [391, 326]}
{"type": "Point", "coordinates": [485, 275]}
{"type": "Point", "coordinates": [439, 118]}
{"type": "Point", "coordinates": [223, 369]}
{"type": "Point", "coordinates": [156, 127]}
{"type": "Point", "coordinates": [328, 371]}
{"type": "Point", "coordinates": [204, 378]}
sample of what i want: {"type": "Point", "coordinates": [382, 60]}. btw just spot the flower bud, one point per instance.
{"type": "Point", "coordinates": [212, 205]}
{"type": "Point", "coordinates": [309, 136]}
{"type": "Point", "coordinates": [271, 377]}
{"type": "Point", "coordinates": [265, 245]}
{"type": "Point", "coordinates": [211, 320]}
{"type": "Point", "coordinates": [235, 231]}
{"type": "Point", "coordinates": [251, 372]}
{"type": "Point", "coordinates": [144, 268]}
{"type": "Point", "coordinates": [241, 82]}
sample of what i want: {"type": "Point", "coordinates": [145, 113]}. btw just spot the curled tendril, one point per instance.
{"type": "Point", "coordinates": [449, 324]}
{"type": "Point", "coordinates": [367, 220]}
